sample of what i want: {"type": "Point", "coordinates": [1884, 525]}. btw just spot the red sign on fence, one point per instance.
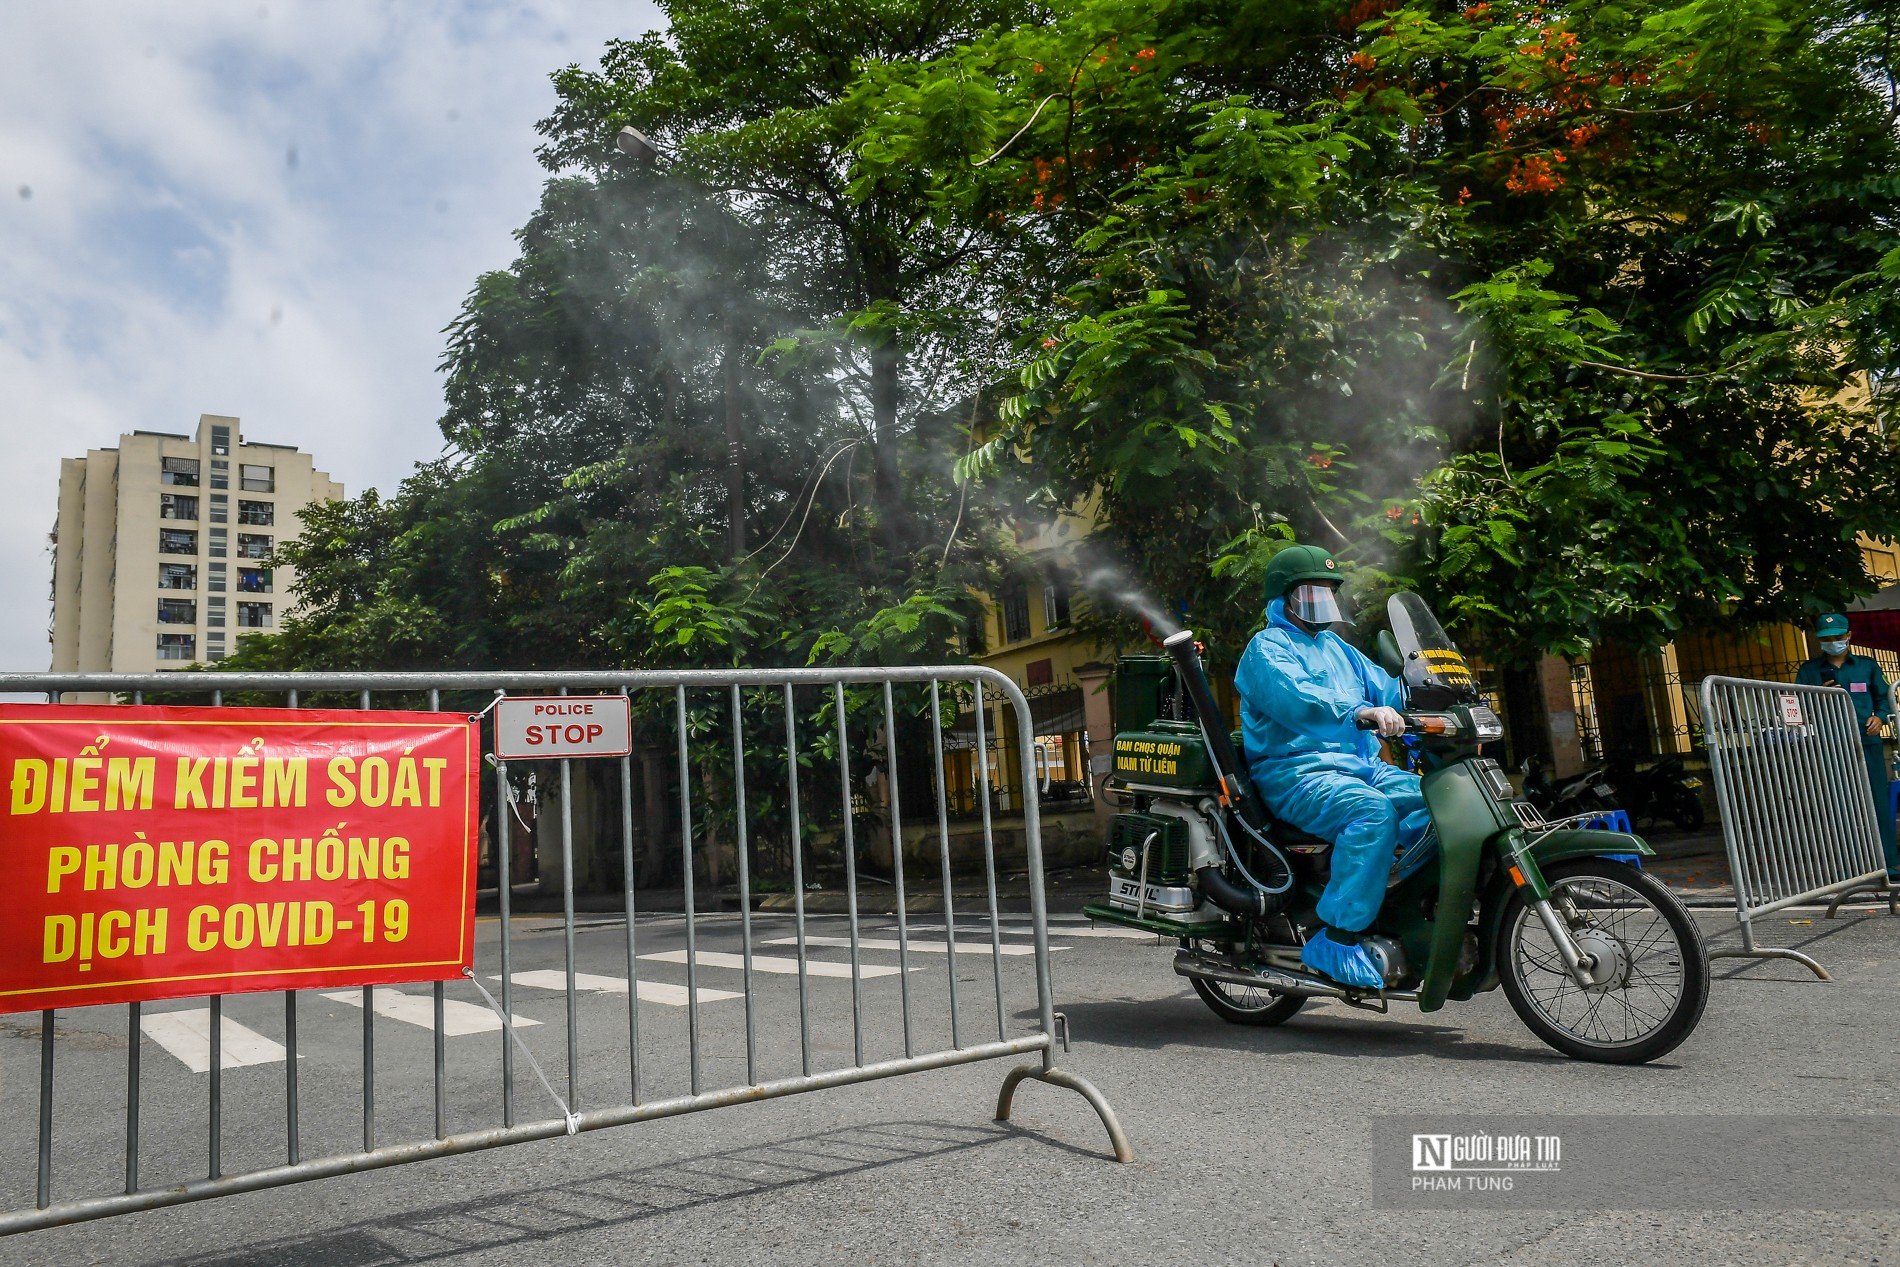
{"type": "Point", "coordinates": [151, 853]}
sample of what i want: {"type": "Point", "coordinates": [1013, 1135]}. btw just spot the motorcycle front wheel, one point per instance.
{"type": "Point", "coordinates": [1652, 977]}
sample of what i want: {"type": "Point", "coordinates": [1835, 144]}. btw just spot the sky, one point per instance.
{"type": "Point", "coordinates": [265, 210]}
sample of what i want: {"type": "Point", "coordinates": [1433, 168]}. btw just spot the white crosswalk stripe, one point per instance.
{"type": "Point", "coordinates": [772, 963]}
{"type": "Point", "coordinates": [916, 947]}
{"type": "Point", "coordinates": [186, 1034]}
{"type": "Point", "coordinates": [458, 1018]}
{"type": "Point", "coordinates": [593, 983]}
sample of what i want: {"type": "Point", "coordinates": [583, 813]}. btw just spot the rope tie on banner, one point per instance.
{"type": "Point", "coordinates": [508, 1024]}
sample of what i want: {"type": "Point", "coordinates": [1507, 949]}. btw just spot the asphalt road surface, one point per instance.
{"type": "Point", "coordinates": [1252, 1145]}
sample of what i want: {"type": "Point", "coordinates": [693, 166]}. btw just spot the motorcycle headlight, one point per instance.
{"type": "Point", "coordinates": [1130, 859]}
{"type": "Point", "coordinates": [1485, 725]}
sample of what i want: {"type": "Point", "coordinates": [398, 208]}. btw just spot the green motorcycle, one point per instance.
{"type": "Point", "coordinates": [1598, 958]}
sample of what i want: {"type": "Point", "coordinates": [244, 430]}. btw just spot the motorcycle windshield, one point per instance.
{"type": "Point", "coordinates": [1436, 675]}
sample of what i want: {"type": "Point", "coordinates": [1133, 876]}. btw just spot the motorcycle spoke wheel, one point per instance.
{"type": "Point", "coordinates": [1657, 976]}
{"type": "Point", "coordinates": [1247, 1005]}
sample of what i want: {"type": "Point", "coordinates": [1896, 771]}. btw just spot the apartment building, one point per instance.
{"type": "Point", "coordinates": [162, 553]}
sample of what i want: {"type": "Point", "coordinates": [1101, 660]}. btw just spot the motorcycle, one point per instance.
{"type": "Point", "coordinates": [1663, 790]}
{"type": "Point", "coordinates": [1598, 959]}
{"type": "Point", "coordinates": [1590, 793]}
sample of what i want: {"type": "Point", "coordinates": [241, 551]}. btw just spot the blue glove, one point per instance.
{"type": "Point", "coordinates": [1345, 963]}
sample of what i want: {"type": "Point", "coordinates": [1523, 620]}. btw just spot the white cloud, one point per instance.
{"type": "Point", "coordinates": [268, 210]}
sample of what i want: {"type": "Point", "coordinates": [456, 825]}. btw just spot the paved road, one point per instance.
{"type": "Point", "coordinates": [1252, 1145]}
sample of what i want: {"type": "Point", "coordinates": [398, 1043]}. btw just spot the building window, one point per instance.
{"type": "Point", "coordinates": [175, 506]}
{"type": "Point", "coordinates": [253, 580]}
{"type": "Point", "coordinates": [1039, 673]}
{"type": "Point", "coordinates": [182, 472]}
{"type": "Point", "coordinates": [253, 615]}
{"type": "Point", "coordinates": [177, 611]}
{"type": "Point", "coordinates": [1015, 614]}
{"type": "Point", "coordinates": [216, 580]}
{"type": "Point", "coordinates": [256, 513]}
{"type": "Point", "coordinates": [220, 474]}
{"type": "Point", "coordinates": [176, 646]}
{"type": "Point", "coordinates": [220, 508]}
{"type": "Point", "coordinates": [253, 545]}
{"type": "Point", "coordinates": [256, 479]}
{"type": "Point", "coordinates": [1055, 603]}
{"type": "Point", "coordinates": [221, 441]}
{"type": "Point", "coordinates": [178, 576]}
{"type": "Point", "coordinates": [177, 541]}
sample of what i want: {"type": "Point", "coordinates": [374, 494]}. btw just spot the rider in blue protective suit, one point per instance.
{"type": "Point", "coordinates": [1303, 692]}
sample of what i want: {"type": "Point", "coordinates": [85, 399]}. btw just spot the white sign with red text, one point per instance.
{"type": "Point", "coordinates": [536, 727]}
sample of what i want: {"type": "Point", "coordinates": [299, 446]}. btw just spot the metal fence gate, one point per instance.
{"type": "Point", "coordinates": [1796, 803]}
{"type": "Point", "coordinates": [792, 726]}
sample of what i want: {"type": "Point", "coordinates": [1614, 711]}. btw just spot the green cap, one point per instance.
{"type": "Point", "coordinates": [1299, 563]}
{"type": "Point", "coordinates": [1832, 625]}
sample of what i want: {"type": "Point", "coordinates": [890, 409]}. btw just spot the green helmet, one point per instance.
{"type": "Point", "coordinates": [1299, 563]}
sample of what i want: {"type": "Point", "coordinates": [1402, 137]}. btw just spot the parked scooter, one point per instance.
{"type": "Point", "coordinates": [1598, 959]}
{"type": "Point", "coordinates": [1592, 792]}
{"type": "Point", "coordinates": [1664, 790]}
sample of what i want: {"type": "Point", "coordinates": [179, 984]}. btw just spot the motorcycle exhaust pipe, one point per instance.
{"type": "Point", "coordinates": [1283, 980]}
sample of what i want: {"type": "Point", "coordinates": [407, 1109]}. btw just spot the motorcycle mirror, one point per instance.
{"type": "Point", "coordinates": [1386, 648]}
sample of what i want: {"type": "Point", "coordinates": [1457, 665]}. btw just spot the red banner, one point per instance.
{"type": "Point", "coordinates": [152, 853]}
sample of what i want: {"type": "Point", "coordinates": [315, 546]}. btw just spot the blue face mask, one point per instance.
{"type": "Point", "coordinates": [1834, 646]}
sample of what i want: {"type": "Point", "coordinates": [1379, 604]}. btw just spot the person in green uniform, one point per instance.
{"type": "Point", "coordinates": [1866, 685]}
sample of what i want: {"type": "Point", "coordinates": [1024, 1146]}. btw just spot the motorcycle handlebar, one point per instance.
{"type": "Point", "coordinates": [1415, 723]}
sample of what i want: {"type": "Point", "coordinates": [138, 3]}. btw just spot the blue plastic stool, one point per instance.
{"type": "Point", "coordinates": [1615, 820]}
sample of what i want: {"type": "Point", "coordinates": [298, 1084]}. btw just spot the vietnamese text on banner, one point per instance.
{"type": "Point", "coordinates": [160, 852]}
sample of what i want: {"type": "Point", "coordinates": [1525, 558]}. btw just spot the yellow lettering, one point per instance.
{"type": "Point", "coordinates": [435, 766]}
{"type": "Point", "coordinates": [220, 769]}
{"type": "Point", "coordinates": [319, 921]}
{"type": "Point", "coordinates": [56, 799]}
{"type": "Point", "coordinates": [263, 860]}
{"type": "Point", "coordinates": [363, 857]}
{"type": "Point", "coordinates": [85, 782]}
{"type": "Point", "coordinates": [188, 789]}
{"type": "Point", "coordinates": [61, 939]}
{"type": "Point", "coordinates": [214, 865]}
{"type": "Point", "coordinates": [297, 859]}
{"type": "Point", "coordinates": [285, 779]}
{"type": "Point", "coordinates": [195, 935]}
{"type": "Point", "coordinates": [395, 858]}
{"type": "Point", "coordinates": [102, 867]}
{"type": "Point", "coordinates": [148, 932]}
{"type": "Point", "coordinates": [240, 926]}
{"type": "Point", "coordinates": [129, 782]}
{"type": "Point", "coordinates": [175, 862]}
{"type": "Point", "coordinates": [342, 791]}
{"type": "Point", "coordinates": [135, 865]}
{"type": "Point", "coordinates": [270, 923]}
{"type": "Point", "coordinates": [29, 785]}
{"type": "Point", "coordinates": [112, 929]}
{"type": "Point", "coordinates": [61, 861]}
{"type": "Point", "coordinates": [407, 791]}
{"type": "Point", "coordinates": [329, 858]}
{"type": "Point", "coordinates": [244, 783]}
{"type": "Point", "coordinates": [373, 783]}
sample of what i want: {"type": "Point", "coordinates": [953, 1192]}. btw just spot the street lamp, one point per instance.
{"type": "Point", "coordinates": [635, 145]}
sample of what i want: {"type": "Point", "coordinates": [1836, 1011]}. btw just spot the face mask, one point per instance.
{"type": "Point", "coordinates": [1834, 646]}
{"type": "Point", "coordinates": [1314, 603]}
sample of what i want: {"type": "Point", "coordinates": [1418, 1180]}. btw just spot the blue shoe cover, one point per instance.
{"type": "Point", "coordinates": [1346, 964]}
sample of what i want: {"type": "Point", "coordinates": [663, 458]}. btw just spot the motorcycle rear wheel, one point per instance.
{"type": "Point", "coordinates": [1685, 809]}
{"type": "Point", "coordinates": [1247, 1005]}
{"type": "Point", "coordinates": [1660, 968]}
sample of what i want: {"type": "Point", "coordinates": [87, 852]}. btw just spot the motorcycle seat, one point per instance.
{"type": "Point", "coordinates": [1293, 840]}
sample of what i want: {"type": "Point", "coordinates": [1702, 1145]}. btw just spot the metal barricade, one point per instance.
{"type": "Point", "coordinates": [1797, 808]}
{"type": "Point", "coordinates": [737, 693]}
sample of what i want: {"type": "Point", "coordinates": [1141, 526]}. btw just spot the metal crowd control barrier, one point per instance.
{"type": "Point", "coordinates": [1797, 807]}
{"type": "Point", "coordinates": [738, 691]}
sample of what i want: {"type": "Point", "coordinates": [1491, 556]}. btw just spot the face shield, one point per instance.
{"type": "Point", "coordinates": [1316, 603]}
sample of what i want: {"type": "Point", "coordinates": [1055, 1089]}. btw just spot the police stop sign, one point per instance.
{"type": "Point", "coordinates": [529, 727]}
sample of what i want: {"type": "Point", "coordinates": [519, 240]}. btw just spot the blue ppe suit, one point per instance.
{"type": "Point", "coordinates": [1860, 676]}
{"type": "Point", "coordinates": [1315, 769]}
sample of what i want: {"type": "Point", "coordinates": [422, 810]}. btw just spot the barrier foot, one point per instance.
{"type": "Point", "coordinates": [1878, 891]}
{"type": "Point", "coordinates": [1773, 952]}
{"type": "Point", "coordinates": [1082, 1086]}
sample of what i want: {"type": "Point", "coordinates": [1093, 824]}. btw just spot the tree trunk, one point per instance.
{"type": "Point", "coordinates": [735, 456]}
{"type": "Point", "coordinates": [887, 361]}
